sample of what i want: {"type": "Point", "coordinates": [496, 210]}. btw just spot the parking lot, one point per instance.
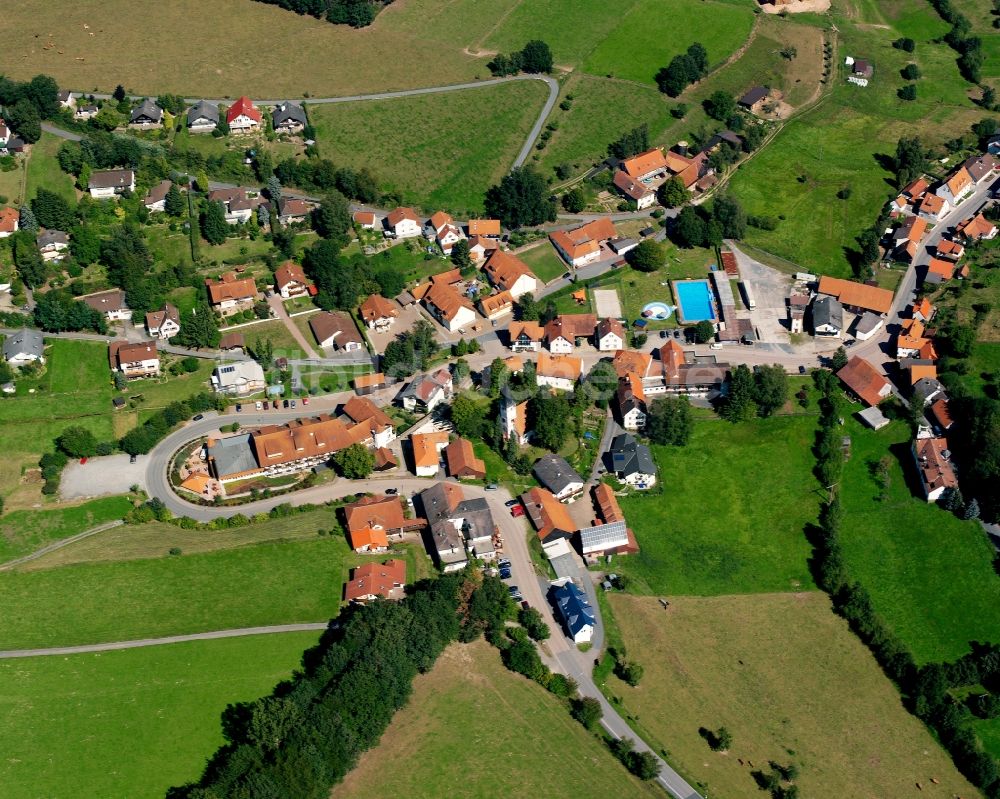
{"type": "Point", "coordinates": [112, 474]}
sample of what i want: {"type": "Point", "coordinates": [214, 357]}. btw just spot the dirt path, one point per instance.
{"type": "Point", "coordinates": [65, 542]}
{"type": "Point", "coordinates": [279, 309]}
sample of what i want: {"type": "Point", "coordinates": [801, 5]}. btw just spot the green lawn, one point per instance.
{"type": "Point", "coordinates": [652, 32]}
{"type": "Point", "coordinates": [732, 511]}
{"type": "Point", "coordinates": [11, 182]}
{"type": "Point", "coordinates": [130, 723]}
{"type": "Point", "coordinates": [438, 151]}
{"type": "Point", "coordinates": [44, 171]}
{"type": "Point", "coordinates": [544, 262]}
{"type": "Point", "coordinates": [930, 575]}
{"type": "Point", "coordinates": [24, 531]}
{"type": "Point", "coordinates": [409, 259]}
{"type": "Point", "coordinates": [284, 344]}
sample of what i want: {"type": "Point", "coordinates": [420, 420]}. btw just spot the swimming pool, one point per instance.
{"type": "Point", "coordinates": [694, 300]}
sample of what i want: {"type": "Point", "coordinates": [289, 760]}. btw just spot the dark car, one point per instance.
{"type": "Point", "coordinates": [198, 418]}
{"type": "Point", "coordinates": [392, 491]}
{"type": "Point", "coordinates": [284, 403]}
{"type": "Point", "coordinates": [239, 408]}
{"type": "Point", "coordinates": [510, 503]}
{"type": "Point", "coordinates": [802, 370]}
{"type": "Point", "coordinates": [275, 405]}
{"type": "Point", "coordinates": [513, 589]}
{"type": "Point", "coordinates": [133, 458]}
{"type": "Point", "coordinates": [664, 334]}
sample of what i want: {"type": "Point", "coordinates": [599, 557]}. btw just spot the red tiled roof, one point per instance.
{"type": "Point", "coordinates": [375, 579]}
{"type": "Point", "coordinates": [289, 273]}
{"type": "Point", "coordinates": [243, 107]}
{"type": "Point", "coordinates": [861, 378]}
{"type": "Point", "coordinates": [462, 460]}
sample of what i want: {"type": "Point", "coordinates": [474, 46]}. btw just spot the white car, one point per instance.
{"type": "Point", "coordinates": [258, 405]}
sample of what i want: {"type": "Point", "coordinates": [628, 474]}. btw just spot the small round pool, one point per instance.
{"type": "Point", "coordinates": [657, 310]}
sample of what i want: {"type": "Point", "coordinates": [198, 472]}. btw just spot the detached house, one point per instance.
{"type": "Point", "coordinates": [366, 220]}
{"type": "Point", "coordinates": [203, 117]}
{"type": "Point", "coordinates": [525, 336]}
{"type": "Point", "coordinates": [558, 371]}
{"type": "Point", "coordinates": [451, 309]}
{"type": "Point", "coordinates": [110, 303]}
{"type": "Point", "coordinates": [135, 360]}
{"type": "Point", "coordinates": [562, 333]}
{"type": "Point", "coordinates": [457, 525]}
{"type": "Point", "coordinates": [610, 335]}
{"type": "Point", "coordinates": [646, 166]}
{"type": "Point", "coordinates": [550, 518]}
{"type": "Point", "coordinates": [957, 187]}
{"type": "Point", "coordinates": [980, 167]}
{"type": "Point", "coordinates": [164, 323]}
{"type": "Point", "coordinates": [156, 197]}
{"type": "Point", "coordinates": [631, 462]}
{"type": "Point", "coordinates": [243, 116]}
{"type": "Point", "coordinates": [23, 347]}
{"type": "Point", "coordinates": [371, 520]}
{"type": "Point", "coordinates": [362, 411]}
{"type": "Point", "coordinates": [292, 210]}
{"type": "Point", "coordinates": [238, 203]}
{"type": "Point", "coordinates": [231, 294]}
{"type": "Point", "coordinates": [336, 330]}
{"type": "Point", "coordinates": [239, 379]}
{"type": "Point", "coordinates": [977, 229]}
{"type": "Point", "coordinates": [85, 112]}
{"type": "Point", "coordinates": [864, 382]}
{"type": "Point", "coordinates": [487, 228]}
{"type": "Point", "coordinates": [111, 182]}
{"type": "Point", "coordinates": [636, 191]}
{"type": "Point", "coordinates": [291, 281]}
{"type": "Point", "coordinates": [371, 581]}
{"type": "Point", "coordinates": [482, 247]}
{"type": "Point", "coordinates": [427, 391]}
{"type": "Point", "coordinates": [507, 272]}
{"type": "Point", "coordinates": [827, 317]}
{"type": "Point", "coordinates": [288, 118]}
{"type": "Point", "coordinates": [426, 449]}
{"type": "Point", "coordinates": [146, 115]}
{"type": "Point", "coordinates": [10, 222]}
{"type": "Point", "coordinates": [496, 306]}
{"type": "Point", "coordinates": [378, 313]}
{"type": "Point", "coordinates": [402, 223]}
{"type": "Point", "coordinates": [52, 244]}
{"type": "Point", "coordinates": [933, 460]}
{"type": "Point", "coordinates": [462, 461]}
{"type": "Point", "coordinates": [576, 611]}
{"type": "Point", "coordinates": [556, 475]}
{"type": "Point", "coordinates": [582, 245]}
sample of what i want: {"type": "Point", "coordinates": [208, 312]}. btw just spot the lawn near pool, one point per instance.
{"type": "Point", "coordinates": [132, 722]}
{"type": "Point", "coordinates": [470, 703]}
{"type": "Point", "coordinates": [791, 683]}
{"type": "Point", "coordinates": [729, 514]}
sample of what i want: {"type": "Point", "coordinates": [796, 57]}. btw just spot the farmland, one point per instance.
{"type": "Point", "coordinates": [530, 736]}
{"type": "Point", "coordinates": [717, 529]}
{"type": "Point", "coordinates": [133, 722]}
{"type": "Point", "coordinates": [437, 150]}
{"type": "Point", "coordinates": [24, 531]}
{"type": "Point", "coordinates": [792, 684]}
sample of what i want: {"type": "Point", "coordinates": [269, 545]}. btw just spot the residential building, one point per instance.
{"type": "Point", "coordinates": [630, 403]}
{"type": "Point", "coordinates": [932, 207]}
{"type": "Point", "coordinates": [576, 611]}
{"type": "Point", "coordinates": [378, 313]}
{"type": "Point", "coordinates": [610, 535]}
{"type": "Point", "coordinates": [24, 347]}
{"type": "Point", "coordinates": [980, 167]}
{"type": "Point", "coordinates": [922, 310]}
{"type": "Point", "coordinates": [371, 520]}
{"type": "Point", "coordinates": [238, 379]}
{"type": "Point", "coordinates": [631, 462]}
{"type": "Point", "coordinates": [525, 336]}
{"type": "Point", "coordinates": [610, 335]}
{"type": "Point", "coordinates": [66, 99]}
{"type": "Point", "coordinates": [426, 391]}
{"type": "Point", "coordinates": [457, 525]}
{"type": "Point", "coordinates": [482, 247]}
{"type": "Point", "coordinates": [487, 228]}
{"type": "Point", "coordinates": [910, 338]}
{"type": "Point", "coordinates": [110, 303]}
{"type": "Point", "coordinates": [366, 220]}
{"type": "Point", "coordinates": [426, 449]}
{"type": "Point", "coordinates": [646, 165]}
{"type": "Point", "coordinates": [550, 518]}
{"type": "Point", "coordinates": [927, 390]}
{"type": "Point", "coordinates": [156, 197]}
{"type": "Point", "coordinates": [10, 221]}
{"type": "Point", "coordinates": [369, 384]}
{"type": "Point", "coordinates": [755, 99]}
{"type": "Point", "coordinates": [336, 330]}
{"type": "Point", "coordinates": [699, 378]}
{"type": "Point", "coordinates": [555, 474]}
{"type": "Point", "coordinates": [232, 458]}
{"type": "Point", "coordinates": [827, 317]}
{"type": "Point", "coordinates": [450, 308]}
{"type": "Point", "coordinates": [514, 418]}
{"type": "Point", "coordinates": [203, 117]}
{"type": "Point", "coordinates": [940, 414]}
{"type": "Point", "coordinates": [863, 69]}
{"type": "Point", "coordinates": [290, 280]}
{"type": "Point", "coordinates": [507, 272]}
{"type": "Point", "coordinates": [907, 238]}
{"type": "Point", "coordinates": [797, 305]}
{"type": "Point", "coordinates": [867, 325]}
{"type": "Point", "coordinates": [978, 228]}
{"type": "Point", "coordinates": [956, 187]}
{"type": "Point", "coordinates": [919, 369]}
{"type": "Point", "coordinates": [447, 237]}
{"type": "Point", "coordinates": [135, 360]}
{"type": "Point", "coordinates": [164, 323]}
{"type": "Point", "coordinates": [864, 382]}
{"type": "Point", "coordinates": [558, 371]}
{"type": "Point", "coordinates": [231, 342]}
{"type": "Point", "coordinates": [934, 465]}
{"type": "Point", "coordinates": [371, 581]}
{"type": "Point", "coordinates": [462, 461]}
{"type": "Point", "coordinates": [231, 294]}
{"type": "Point", "coordinates": [243, 116]}
{"type": "Point", "coordinates": [287, 117]}
{"type": "Point", "coordinates": [496, 306]}
{"type": "Point", "coordinates": [402, 223]}
{"type": "Point", "coordinates": [292, 210]}
{"type": "Point", "coordinates": [857, 297]}
{"type": "Point", "coordinates": [582, 245]}
{"type": "Point", "coordinates": [52, 244]}
{"type": "Point", "coordinates": [146, 115]}
{"type": "Point", "coordinates": [362, 411]}
{"type": "Point", "coordinates": [304, 443]}
{"type": "Point", "coordinates": [622, 245]}
{"type": "Point", "coordinates": [950, 250]}
{"type": "Point", "coordinates": [85, 112]}
{"type": "Point", "coordinates": [110, 182]}
{"type": "Point", "coordinates": [239, 203]}
{"type": "Point", "coordinates": [939, 271]}
{"type": "Point", "coordinates": [642, 195]}
{"type": "Point", "coordinates": [562, 333]}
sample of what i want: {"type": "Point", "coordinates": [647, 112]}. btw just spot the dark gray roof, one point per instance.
{"type": "Point", "coordinates": [203, 110]}
{"type": "Point", "coordinates": [52, 237]}
{"type": "Point", "coordinates": [233, 455]}
{"type": "Point", "coordinates": [752, 96]}
{"type": "Point", "coordinates": [867, 323]}
{"type": "Point", "coordinates": [147, 109]}
{"type": "Point", "coordinates": [112, 179]}
{"type": "Point", "coordinates": [554, 473]}
{"type": "Point", "coordinates": [286, 112]}
{"type": "Point", "coordinates": [828, 311]}
{"type": "Point", "coordinates": [24, 342]}
{"type": "Point", "coordinates": [629, 457]}
{"type": "Point", "coordinates": [573, 607]}
{"type": "Point", "coordinates": [927, 387]}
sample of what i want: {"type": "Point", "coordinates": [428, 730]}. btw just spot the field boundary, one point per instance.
{"type": "Point", "coordinates": [65, 542]}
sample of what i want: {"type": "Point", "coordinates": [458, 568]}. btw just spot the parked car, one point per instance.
{"type": "Point", "coordinates": [510, 503]}
{"type": "Point", "coordinates": [284, 403]}
{"type": "Point", "coordinates": [293, 403]}
{"type": "Point", "coordinates": [275, 405]}
{"type": "Point", "coordinates": [802, 370]}
{"type": "Point", "coordinates": [198, 418]}
{"type": "Point", "coordinates": [513, 589]}
{"type": "Point", "coordinates": [525, 605]}
{"type": "Point", "coordinates": [505, 574]}
{"type": "Point", "coordinates": [133, 458]}
{"type": "Point", "coordinates": [492, 486]}
{"type": "Point", "coordinates": [258, 406]}
{"type": "Point", "coordinates": [517, 511]}
{"type": "Point", "coordinates": [83, 461]}
{"type": "Point", "coordinates": [664, 334]}
{"type": "Point", "coordinates": [305, 400]}
{"type": "Point", "coordinates": [504, 562]}
{"type": "Point", "coordinates": [392, 491]}
{"type": "Point", "coordinates": [239, 408]}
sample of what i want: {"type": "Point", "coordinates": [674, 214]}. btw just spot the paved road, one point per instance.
{"type": "Point", "coordinates": [62, 134]}
{"type": "Point", "coordinates": [112, 646]}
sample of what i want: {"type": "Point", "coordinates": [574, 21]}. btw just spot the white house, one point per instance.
{"type": "Point", "coordinates": [231, 294]}
{"type": "Point", "coordinates": [556, 475]}
{"type": "Point", "coordinates": [426, 448]}
{"type": "Point", "coordinates": [576, 611]}
{"type": "Point", "coordinates": [156, 198]}
{"type": "Point", "coordinates": [164, 323]}
{"type": "Point", "coordinates": [203, 117]}
{"type": "Point", "coordinates": [291, 280]}
{"type": "Point", "coordinates": [957, 187]}
{"type": "Point", "coordinates": [243, 116]}
{"type": "Point", "coordinates": [135, 360]}
{"type": "Point", "coordinates": [525, 336]}
{"type": "Point", "coordinates": [632, 462]}
{"type": "Point", "coordinates": [336, 329]}
{"type": "Point", "coordinates": [610, 335]}
{"type": "Point", "coordinates": [427, 391]}
{"type": "Point", "coordinates": [506, 272]}
{"type": "Point", "coordinates": [450, 308]}
{"type": "Point", "coordinates": [23, 347]}
{"type": "Point", "coordinates": [631, 405]}
{"type": "Point", "coordinates": [110, 182]}
{"type": "Point", "coordinates": [111, 304]}
{"type": "Point", "coordinates": [146, 115]}
{"type": "Point", "coordinates": [867, 325]}
{"type": "Point", "coordinates": [402, 223]}
{"type": "Point", "coordinates": [288, 117]}
{"type": "Point", "coordinates": [827, 317]}
{"type": "Point", "coordinates": [558, 371]}
{"type": "Point", "coordinates": [447, 237]}
{"type": "Point", "coordinates": [933, 459]}
{"type": "Point", "coordinates": [239, 379]}
{"type": "Point", "coordinates": [10, 222]}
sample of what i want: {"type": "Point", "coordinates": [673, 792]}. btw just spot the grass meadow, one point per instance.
{"type": "Point", "coordinates": [731, 514]}
{"type": "Point", "coordinates": [544, 261]}
{"type": "Point", "coordinates": [535, 748]}
{"type": "Point", "coordinates": [437, 150]}
{"type": "Point", "coordinates": [133, 722]}
{"type": "Point", "coordinates": [790, 681]}
{"type": "Point", "coordinates": [24, 531]}
{"type": "Point", "coordinates": [44, 171]}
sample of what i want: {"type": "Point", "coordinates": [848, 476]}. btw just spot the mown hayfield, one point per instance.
{"type": "Point", "coordinates": [732, 511]}
{"type": "Point", "coordinates": [44, 171]}
{"type": "Point", "coordinates": [791, 683]}
{"type": "Point", "coordinates": [438, 150]}
{"type": "Point", "coordinates": [544, 261]}
{"type": "Point", "coordinates": [24, 531]}
{"type": "Point", "coordinates": [133, 722]}
{"type": "Point", "coordinates": [530, 745]}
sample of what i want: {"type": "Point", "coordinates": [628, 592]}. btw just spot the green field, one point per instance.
{"type": "Point", "coordinates": [130, 723]}
{"type": "Point", "coordinates": [544, 262]}
{"type": "Point", "coordinates": [732, 511]}
{"type": "Point", "coordinates": [652, 32]}
{"type": "Point", "coordinates": [930, 575]}
{"type": "Point", "coordinates": [439, 150]}
{"type": "Point", "coordinates": [283, 342]}
{"type": "Point", "coordinates": [792, 684]}
{"type": "Point", "coordinates": [24, 531]}
{"type": "Point", "coordinates": [470, 703]}
{"type": "Point", "coordinates": [44, 171]}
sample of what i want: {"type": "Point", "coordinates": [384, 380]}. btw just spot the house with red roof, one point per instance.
{"type": "Point", "coordinates": [582, 245]}
{"type": "Point", "coordinates": [864, 382]}
{"type": "Point", "coordinates": [291, 281]}
{"type": "Point", "coordinates": [243, 116]}
{"type": "Point", "coordinates": [372, 581]}
{"type": "Point", "coordinates": [10, 221]}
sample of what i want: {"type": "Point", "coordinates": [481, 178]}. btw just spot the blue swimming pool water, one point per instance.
{"type": "Point", "coordinates": [695, 298]}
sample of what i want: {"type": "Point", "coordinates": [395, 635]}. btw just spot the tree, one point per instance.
{"type": "Point", "coordinates": [532, 621]}
{"type": "Point", "coordinates": [468, 417]}
{"type": "Point", "coordinates": [699, 58]}
{"type": "Point", "coordinates": [263, 216]}
{"type": "Point", "coordinates": [587, 711]}
{"type": "Point", "coordinates": [199, 328]}
{"type": "Point", "coordinates": [550, 415]}
{"type": "Point", "coordinates": [77, 442]}
{"type": "Point", "coordinates": [119, 93]}
{"type": "Point", "coordinates": [689, 229]}
{"type": "Point", "coordinates": [520, 199]}
{"type": "Point", "coordinates": [174, 203]}
{"type": "Point", "coordinates": [770, 388]}
{"type": "Point", "coordinates": [908, 92]}
{"type": "Point", "coordinates": [672, 193]}
{"type": "Point", "coordinates": [262, 351]}
{"type": "Point", "coordinates": [910, 72]}
{"type": "Point", "coordinates": [644, 765]}
{"type": "Point", "coordinates": [356, 462]}
{"type": "Point", "coordinates": [704, 331]}
{"type": "Point", "coordinates": [739, 406]}
{"type": "Point", "coordinates": [214, 227]}
{"type": "Point", "coordinates": [536, 57]}
{"type": "Point", "coordinates": [26, 219]}
{"type": "Point", "coordinates": [85, 245]}
{"type": "Point", "coordinates": [24, 119]}
{"type": "Point", "coordinates": [499, 375]}
{"type": "Point", "coordinates": [952, 500]}
{"type": "Point", "coordinates": [575, 200]}
{"type": "Point", "coordinates": [728, 212]}
{"type": "Point", "coordinates": [273, 188]}
{"type": "Point", "coordinates": [723, 740]}
{"type": "Point", "coordinates": [332, 220]}
{"type": "Point", "coordinates": [909, 161]}
{"type": "Point", "coordinates": [670, 421]}
{"type": "Point", "coordinates": [989, 98]}
{"type": "Point", "coordinates": [631, 143]}
{"type": "Point", "coordinates": [52, 210]}
{"type": "Point", "coordinates": [971, 510]}
{"type": "Point", "coordinates": [600, 384]}
{"type": "Point", "coordinates": [648, 256]}
{"type": "Point", "coordinates": [459, 256]}
{"type": "Point", "coordinates": [629, 672]}
{"type": "Point", "coordinates": [906, 45]}
{"type": "Point", "coordinates": [720, 105]}
{"type": "Point", "coordinates": [839, 359]}
{"type": "Point", "coordinates": [28, 261]}
{"type": "Point", "coordinates": [107, 118]}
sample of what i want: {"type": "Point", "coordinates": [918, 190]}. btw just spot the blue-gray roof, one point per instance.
{"type": "Point", "coordinates": [573, 607]}
{"type": "Point", "coordinates": [233, 455]}
{"type": "Point", "coordinates": [629, 457]}
{"type": "Point", "coordinates": [24, 343]}
{"type": "Point", "coordinates": [203, 110]}
{"type": "Point", "coordinates": [555, 473]}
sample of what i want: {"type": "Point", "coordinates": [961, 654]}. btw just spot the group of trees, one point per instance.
{"type": "Point", "coordinates": [683, 70]}
{"type": "Point", "coordinates": [411, 351]}
{"type": "Point", "coordinates": [57, 311]}
{"type": "Point", "coordinates": [961, 40]}
{"type": "Point", "coordinates": [535, 57]}
{"type": "Point", "coordinates": [142, 439]}
{"type": "Point", "coordinates": [341, 283]}
{"type": "Point", "coordinates": [27, 103]}
{"type": "Point", "coordinates": [760, 392]}
{"type": "Point", "coordinates": [521, 199]}
{"type": "Point", "coordinates": [669, 421]}
{"type": "Point", "coordinates": [356, 13]}
{"type": "Point", "coordinates": [707, 226]}
{"type": "Point", "coordinates": [631, 143]}
{"type": "Point", "coordinates": [321, 174]}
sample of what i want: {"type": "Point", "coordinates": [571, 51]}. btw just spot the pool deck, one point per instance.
{"type": "Point", "coordinates": [681, 318]}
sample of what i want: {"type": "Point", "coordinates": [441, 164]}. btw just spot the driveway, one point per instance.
{"type": "Point", "coordinates": [405, 321]}
{"type": "Point", "coordinates": [278, 308]}
{"type": "Point", "coordinates": [108, 475]}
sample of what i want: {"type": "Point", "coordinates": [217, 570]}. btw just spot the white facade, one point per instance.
{"type": "Point", "coordinates": [462, 317]}
{"type": "Point", "coordinates": [447, 237]}
{"type": "Point", "coordinates": [610, 342]}
{"type": "Point", "coordinates": [239, 379]}
{"type": "Point", "coordinates": [406, 229]}
{"type": "Point", "coordinates": [244, 123]}
{"type": "Point", "coordinates": [561, 346]}
{"type": "Point", "coordinates": [634, 419]}
{"type": "Point", "coordinates": [525, 284]}
{"type": "Point", "coordinates": [559, 383]}
{"type": "Point", "coordinates": [167, 329]}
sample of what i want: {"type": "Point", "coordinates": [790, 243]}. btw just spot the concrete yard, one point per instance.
{"type": "Point", "coordinates": [112, 474]}
{"type": "Point", "coordinates": [607, 303]}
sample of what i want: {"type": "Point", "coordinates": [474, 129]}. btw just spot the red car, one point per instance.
{"type": "Point", "coordinates": [517, 510]}
{"type": "Point", "coordinates": [305, 400]}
